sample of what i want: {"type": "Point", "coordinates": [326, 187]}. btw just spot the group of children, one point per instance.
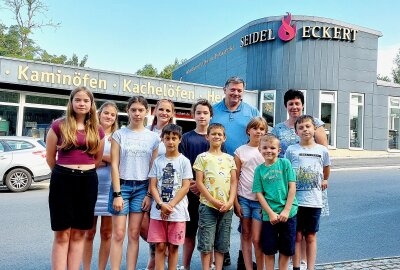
{"type": "Point", "coordinates": [194, 175]}
{"type": "Point", "coordinates": [287, 190]}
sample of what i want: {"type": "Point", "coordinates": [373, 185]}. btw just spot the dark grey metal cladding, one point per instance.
{"type": "Point", "coordinates": [299, 63]}
{"type": "Point", "coordinates": [307, 64]}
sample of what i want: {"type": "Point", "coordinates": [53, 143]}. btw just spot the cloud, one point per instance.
{"type": "Point", "coordinates": [386, 55]}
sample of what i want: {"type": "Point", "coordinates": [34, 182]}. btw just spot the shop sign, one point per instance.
{"type": "Point", "coordinates": [287, 31]}
{"type": "Point", "coordinates": [329, 32]}
{"type": "Point", "coordinates": [68, 78]}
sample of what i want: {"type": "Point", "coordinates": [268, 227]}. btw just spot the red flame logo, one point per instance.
{"type": "Point", "coordinates": [287, 32]}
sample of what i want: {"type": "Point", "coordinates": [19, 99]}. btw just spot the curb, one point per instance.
{"type": "Point", "coordinates": [358, 261]}
{"type": "Point", "coordinates": [364, 168]}
{"type": "Point", "coordinates": [366, 157]}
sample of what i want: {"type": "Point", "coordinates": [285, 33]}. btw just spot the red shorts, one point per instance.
{"type": "Point", "coordinates": [161, 231]}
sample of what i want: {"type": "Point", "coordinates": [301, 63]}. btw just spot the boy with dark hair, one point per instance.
{"type": "Point", "coordinates": [170, 178]}
{"type": "Point", "coordinates": [217, 183]}
{"type": "Point", "coordinates": [194, 143]}
{"type": "Point", "coordinates": [312, 165]}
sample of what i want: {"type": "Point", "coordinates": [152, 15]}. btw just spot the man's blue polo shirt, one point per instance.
{"type": "Point", "coordinates": [235, 123]}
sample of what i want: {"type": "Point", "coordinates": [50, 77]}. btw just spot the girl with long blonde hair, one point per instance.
{"type": "Point", "coordinates": [108, 118]}
{"type": "Point", "coordinates": [78, 140]}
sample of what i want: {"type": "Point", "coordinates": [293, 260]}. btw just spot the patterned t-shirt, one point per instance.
{"type": "Point", "coordinates": [170, 173]}
{"type": "Point", "coordinates": [309, 164]}
{"type": "Point", "coordinates": [217, 175]}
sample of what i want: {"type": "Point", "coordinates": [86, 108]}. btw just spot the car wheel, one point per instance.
{"type": "Point", "coordinates": [18, 180]}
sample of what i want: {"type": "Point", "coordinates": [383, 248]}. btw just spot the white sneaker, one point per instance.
{"type": "Point", "coordinates": [303, 265]}
{"type": "Point", "coordinates": [290, 266]}
{"type": "Point", "coordinates": [212, 267]}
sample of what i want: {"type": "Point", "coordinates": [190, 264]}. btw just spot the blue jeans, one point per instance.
{"type": "Point", "coordinates": [250, 208]}
{"type": "Point", "coordinates": [133, 193]}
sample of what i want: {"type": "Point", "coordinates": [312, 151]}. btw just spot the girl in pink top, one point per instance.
{"type": "Point", "coordinates": [247, 207]}
{"type": "Point", "coordinates": [78, 140]}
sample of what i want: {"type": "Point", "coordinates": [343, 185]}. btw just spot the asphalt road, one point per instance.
{"type": "Point", "coordinates": [363, 223]}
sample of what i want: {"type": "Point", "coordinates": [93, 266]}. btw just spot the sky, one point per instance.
{"type": "Point", "coordinates": [124, 35]}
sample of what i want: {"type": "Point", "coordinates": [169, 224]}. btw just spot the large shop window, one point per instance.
{"type": "Point", "coordinates": [328, 115]}
{"type": "Point", "coordinates": [394, 123]}
{"type": "Point", "coordinates": [8, 113]}
{"type": "Point", "coordinates": [8, 120]}
{"type": "Point", "coordinates": [37, 121]}
{"type": "Point", "coordinates": [267, 107]}
{"type": "Point", "coordinates": [356, 120]}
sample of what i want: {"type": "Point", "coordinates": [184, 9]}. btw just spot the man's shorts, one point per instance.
{"type": "Point", "coordinates": [133, 193]}
{"type": "Point", "coordinates": [161, 231]}
{"type": "Point", "coordinates": [214, 230]}
{"type": "Point", "coordinates": [279, 237]}
{"type": "Point", "coordinates": [308, 219]}
{"type": "Point", "coordinates": [250, 208]}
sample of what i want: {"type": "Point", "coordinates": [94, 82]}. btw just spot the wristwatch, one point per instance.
{"type": "Point", "coordinates": [158, 205]}
{"type": "Point", "coordinates": [117, 194]}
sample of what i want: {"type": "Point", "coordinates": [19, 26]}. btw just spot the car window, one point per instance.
{"type": "Point", "coordinates": [19, 145]}
{"type": "Point", "coordinates": [1, 148]}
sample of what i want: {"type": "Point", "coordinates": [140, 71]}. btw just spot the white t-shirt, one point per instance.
{"type": "Point", "coordinates": [170, 173]}
{"type": "Point", "coordinates": [136, 149]}
{"type": "Point", "coordinates": [250, 158]}
{"type": "Point", "coordinates": [308, 163]}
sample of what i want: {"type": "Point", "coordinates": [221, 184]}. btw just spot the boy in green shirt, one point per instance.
{"type": "Point", "coordinates": [275, 186]}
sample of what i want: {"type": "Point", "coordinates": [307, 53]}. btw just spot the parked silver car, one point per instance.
{"type": "Point", "coordinates": [22, 160]}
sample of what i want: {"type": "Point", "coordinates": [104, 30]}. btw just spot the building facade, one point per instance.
{"type": "Point", "coordinates": [334, 63]}
{"type": "Point", "coordinates": [33, 94]}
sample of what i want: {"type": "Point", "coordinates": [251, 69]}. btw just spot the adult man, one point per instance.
{"type": "Point", "coordinates": [234, 114]}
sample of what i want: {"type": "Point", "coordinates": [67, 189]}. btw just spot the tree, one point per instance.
{"type": "Point", "coordinates": [383, 78]}
{"type": "Point", "coordinates": [74, 61]}
{"type": "Point", "coordinates": [15, 41]}
{"type": "Point", "coordinates": [166, 73]}
{"type": "Point", "coordinates": [148, 70]}
{"type": "Point", "coordinates": [396, 69]}
{"type": "Point", "coordinates": [25, 14]}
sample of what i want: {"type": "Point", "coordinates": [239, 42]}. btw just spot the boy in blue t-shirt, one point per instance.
{"type": "Point", "coordinates": [312, 165]}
